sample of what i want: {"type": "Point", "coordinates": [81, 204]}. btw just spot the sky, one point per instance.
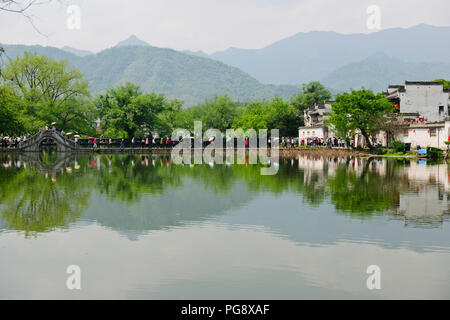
{"type": "Point", "coordinates": [208, 25]}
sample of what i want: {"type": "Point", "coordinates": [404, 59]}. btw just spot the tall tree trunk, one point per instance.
{"type": "Point", "coordinates": [366, 137]}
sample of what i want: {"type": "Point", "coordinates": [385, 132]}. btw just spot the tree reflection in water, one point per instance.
{"type": "Point", "coordinates": [40, 193]}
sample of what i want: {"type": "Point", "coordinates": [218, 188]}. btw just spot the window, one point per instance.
{"type": "Point", "coordinates": [441, 110]}
{"type": "Point", "coordinates": [405, 133]}
{"type": "Point", "coordinates": [432, 132]}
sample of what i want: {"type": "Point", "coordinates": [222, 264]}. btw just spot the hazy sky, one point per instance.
{"type": "Point", "coordinates": [208, 25]}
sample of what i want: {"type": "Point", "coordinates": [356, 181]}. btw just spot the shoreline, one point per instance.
{"type": "Point", "coordinates": [282, 152]}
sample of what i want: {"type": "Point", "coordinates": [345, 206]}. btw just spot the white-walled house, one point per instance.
{"type": "Point", "coordinates": [426, 99]}
{"type": "Point", "coordinates": [425, 111]}
{"type": "Point", "coordinates": [315, 118]}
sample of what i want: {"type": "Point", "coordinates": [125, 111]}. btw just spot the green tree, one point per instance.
{"type": "Point", "coordinates": [126, 112]}
{"type": "Point", "coordinates": [274, 114]}
{"type": "Point", "coordinates": [359, 110]}
{"type": "Point", "coordinates": [49, 90]}
{"type": "Point", "coordinates": [254, 116]}
{"type": "Point", "coordinates": [282, 116]}
{"type": "Point", "coordinates": [446, 83]}
{"type": "Point", "coordinates": [312, 93]}
{"type": "Point", "coordinates": [218, 112]}
{"type": "Point", "coordinates": [10, 122]}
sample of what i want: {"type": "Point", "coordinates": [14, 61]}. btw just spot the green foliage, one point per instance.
{"type": "Point", "coordinates": [10, 122]}
{"type": "Point", "coordinates": [399, 146]}
{"type": "Point", "coordinates": [274, 114]}
{"type": "Point", "coordinates": [446, 83]}
{"type": "Point", "coordinates": [312, 93]}
{"type": "Point", "coordinates": [360, 110]}
{"type": "Point", "coordinates": [434, 153]}
{"type": "Point", "coordinates": [126, 112]}
{"type": "Point", "coordinates": [47, 90]}
{"type": "Point", "coordinates": [380, 151]}
{"type": "Point", "coordinates": [218, 112]}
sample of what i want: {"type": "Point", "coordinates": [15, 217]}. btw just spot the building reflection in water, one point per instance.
{"type": "Point", "coordinates": [421, 189]}
{"type": "Point", "coordinates": [408, 190]}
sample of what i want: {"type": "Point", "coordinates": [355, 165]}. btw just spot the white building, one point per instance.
{"type": "Point", "coordinates": [425, 110]}
{"type": "Point", "coordinates": [315, 122]}
{"type": "Point", "coordinates": [422, 98]}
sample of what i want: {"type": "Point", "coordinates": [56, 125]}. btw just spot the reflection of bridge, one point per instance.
{"type": "Point", "coordinates": [33, 144]}
{"type": "Point", "coordinates": [34, 160]}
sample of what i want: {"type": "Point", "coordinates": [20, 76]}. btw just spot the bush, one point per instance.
{"type": "Point", "coordinates": [380, 151]}
{"type": "Point", "coordinates": [399, 146]}
{"type": "Point", "coordinates": [434, 153]}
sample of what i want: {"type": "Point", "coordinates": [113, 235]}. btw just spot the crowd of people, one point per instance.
{"type": "Point", "coordinates": [330, 142]}
{"type": "Point", "coordinates": [166, 142]}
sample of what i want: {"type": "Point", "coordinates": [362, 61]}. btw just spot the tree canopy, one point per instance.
{"type": "Point", "coordinates": [48, 91]}
{"type": "Point", "coordinates": [312, 93]}
{"type": "Point", "coordinates": [359, 110]}
{"type": "Point", "coordinates": [126, 112]}
{"type": "Point", "coordinates": [445, 82]}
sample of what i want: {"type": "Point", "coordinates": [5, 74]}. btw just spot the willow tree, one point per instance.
{"type": "Point", "coordinates": [50, 91]}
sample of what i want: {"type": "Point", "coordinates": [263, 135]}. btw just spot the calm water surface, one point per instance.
{"type": "Point", "coordinates": [144, 228]}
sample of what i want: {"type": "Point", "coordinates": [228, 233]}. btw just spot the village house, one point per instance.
{"type": "Point", "coordinates": [315, 122]}
{"type": "Point", "coordinates": [424, 109]}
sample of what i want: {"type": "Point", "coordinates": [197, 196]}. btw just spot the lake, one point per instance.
{"type": "Point", "coordinates": [141, 227]}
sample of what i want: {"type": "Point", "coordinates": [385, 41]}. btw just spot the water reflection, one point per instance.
{"type": "Point", "coordinates": [41, 192]}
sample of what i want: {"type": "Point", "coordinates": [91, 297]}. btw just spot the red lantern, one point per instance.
{"type": "Point", "coordinates": [426, 119]}
{"type": "Point", "coordinates": [417, 121]}
{"type": "Point", "coordinates": [414, 131]}
{"type": "Point", "coordinates": [421, 120]}
{"type": "Point", "coordinates": [412, 121]}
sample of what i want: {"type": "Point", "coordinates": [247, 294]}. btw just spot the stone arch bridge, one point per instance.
{"type": "Point", "coordinates": [33, 144]}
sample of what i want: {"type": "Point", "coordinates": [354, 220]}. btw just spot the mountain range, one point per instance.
{"type": "Point", "coordinates": [340, 61]}
{"type": "Point", "coordinates": [176, 74]}
{"type": "Point", "coordinates": [314, 55]}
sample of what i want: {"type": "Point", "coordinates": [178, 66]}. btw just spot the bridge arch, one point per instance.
{"type": "Point", "coordinates": [63, 144]}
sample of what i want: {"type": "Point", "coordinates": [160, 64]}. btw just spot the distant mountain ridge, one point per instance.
{"type": "Point", "coordinates": [177, 75]}
{"type": "Point", "coordinates": [314, 55]}
{"type": "Point", "coordinates": [339, 61]}
{"type": "Point", "coordinates": [77, 52]}
{"type": "Point", "coordinates": [132, 41]}
{"type": "Point", "coordinates": [380, 70]}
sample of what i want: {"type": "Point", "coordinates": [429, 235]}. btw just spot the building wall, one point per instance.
{"type": "Point", "coordinates": [425, 100]}
{"type": "Point", "coordinates": [312, 132]}
{"type": "Point", "coordinates": [422, 137]}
